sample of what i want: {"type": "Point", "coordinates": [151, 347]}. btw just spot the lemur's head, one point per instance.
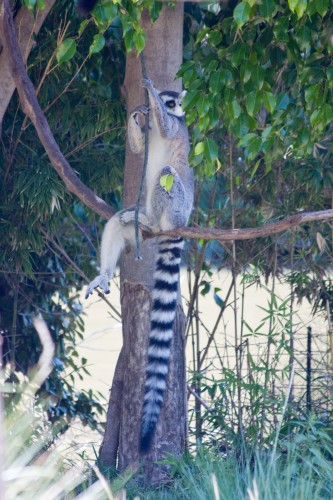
{"type": "Point", "coordinates": [173, 102]}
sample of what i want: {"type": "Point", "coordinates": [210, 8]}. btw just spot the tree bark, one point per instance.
{"type": "Point", "coordinates": [27, 27]}
{"type": "Point", "coordinates": [163, 56]}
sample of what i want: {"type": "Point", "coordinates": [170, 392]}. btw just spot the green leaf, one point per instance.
{"type": "Point", "coordinates": [322, 6]}
{"type": "Point", "coordinates": [66, 50]}
{"type": "Point", "coordinates": [202, 106]}
{"type": "Point", "coordinates": [97, 45]}
{"type": "Point", "coordinates": [267, 8]}
{"type": "Point", "coordinates": [205, 287]}
{"type": "Point", "coordinates": [301, 8]}
{"type": "Point", "coordinates": [253, 102]}
{"type": "Point", "coordinates": [241, 126]}
{"type": "Point", "coordinates": [298, 6]}
{"type": "Point", "coordinates": [199, 148]}
{"type": "Point", "coordinates": [218, 300]}
{"type": "Point", "coordinates": [166, 182]}
{"type": "Point", "coordinates": [258, 76]}
{"type": "Point", "coordinates": [330, 73]}
{"type": "Point", "coordinates": [31, 4]}
{"type": "Point", "coordinates": [269, 101]}
{"type": "Point", "coordinates": [104, 14]}
{"type": "Point", "coordinates": [322, 117]}
{"type": "Point", "coordinates": [311, 93]}
{"type": "Point", "coordinates": [242, 13]}
{"type": "Point", "coordinates": [83, 26]}
{"type": "Point", "coordinates": [238, 54]}
{"type": "Point", "coordinates": [234, 109]}
{"type": "Point", "coordinates": [211, 149]}
{"type": "Point", "coordinates": [246, 140]}
{"type": "Point", "coordinates": [245, 71]}
{"type": "Point", "coordinates": [326, 114]}
{"type": "Point", "coordinates": [139, 39]}
{"type": "Point", "coordinates": [255, 168]}
{"type": "Point", "coordinates": [282, 101]}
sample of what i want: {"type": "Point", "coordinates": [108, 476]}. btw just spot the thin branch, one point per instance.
{"type": "Point", "coordinates": [246, 233]}
{"type": "Point", "coordinates": [201, 401]}
{"type": "Point", "coordinates": [33, 110]}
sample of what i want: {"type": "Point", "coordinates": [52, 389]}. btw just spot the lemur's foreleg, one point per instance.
{"type": "Point", "coordinates": [136, 134]}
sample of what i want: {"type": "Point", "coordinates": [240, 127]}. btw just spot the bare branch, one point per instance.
{"type": "Point", "coordinates": [246, 233]}
{"type": "Point", "coordinates": [32, 109]}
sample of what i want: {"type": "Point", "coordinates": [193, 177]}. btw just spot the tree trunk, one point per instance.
{"type": "Point", "coordinates": [27, 26]}
{"type": "Point", "coordinates": [163, 56]}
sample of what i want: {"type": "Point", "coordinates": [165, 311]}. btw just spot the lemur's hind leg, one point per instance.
{"type": "Point", "coordinates": [113, 241]}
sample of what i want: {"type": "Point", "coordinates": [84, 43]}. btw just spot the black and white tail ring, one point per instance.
{"type": "Point", "coordinates": [165, 294]}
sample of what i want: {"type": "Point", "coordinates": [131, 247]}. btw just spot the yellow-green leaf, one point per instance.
{"type": "Point", "coordinates": [166, 182]}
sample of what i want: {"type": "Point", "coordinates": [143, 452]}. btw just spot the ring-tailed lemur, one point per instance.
{"type": "Point", "coordinates": [164, 210]}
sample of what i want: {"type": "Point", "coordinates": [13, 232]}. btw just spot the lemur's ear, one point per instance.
{"type": "Point", "coordinates": [182, 95]}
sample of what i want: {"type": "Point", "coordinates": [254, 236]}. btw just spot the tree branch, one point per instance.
{"type": "Point", "coordinates": [27, 25]}
{"type": "Point", "coordinates": [247, 233]}
{"type": "Point", "coordinates": [32, 109]}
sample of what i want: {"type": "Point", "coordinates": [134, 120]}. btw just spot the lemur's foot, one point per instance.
{"type": "Point", "coordinates": [127, 216]}
{"type": "Point", "coordinates": [102, 281]}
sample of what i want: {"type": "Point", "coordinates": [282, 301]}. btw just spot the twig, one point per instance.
{"type": "Point", "coordinates": [199, 398]}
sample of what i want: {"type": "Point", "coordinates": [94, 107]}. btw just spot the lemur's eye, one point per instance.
{"type": "Point", "coordinates": [171, 104]}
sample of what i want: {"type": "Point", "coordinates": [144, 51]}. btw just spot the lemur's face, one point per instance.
{"type": "Point", "coordinates": [173, 102]}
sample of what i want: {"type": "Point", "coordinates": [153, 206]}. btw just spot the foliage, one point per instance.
{"type": "Point", "coordinates": [42, 258]}
{"type": "Point", "coordinates": [301, 468]}
{"type": "Point", "coordinates": [264, 132]}
{"type": "Point", "coordinates": [259, 104]}
{"type": "Point", "coordinates": [31, 472]}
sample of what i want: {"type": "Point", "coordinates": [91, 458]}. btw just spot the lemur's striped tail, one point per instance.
{"type": "Point", "coordinates": [165, 293]}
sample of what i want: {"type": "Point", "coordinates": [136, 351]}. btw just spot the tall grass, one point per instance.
{"type": "Point", "coordinates": [301, 470]}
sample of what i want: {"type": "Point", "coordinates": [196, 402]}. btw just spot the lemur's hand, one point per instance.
{"type": "Point", "coordinates": [142, 109]}
{"type": "Point", "coordinates": [102, 281]}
